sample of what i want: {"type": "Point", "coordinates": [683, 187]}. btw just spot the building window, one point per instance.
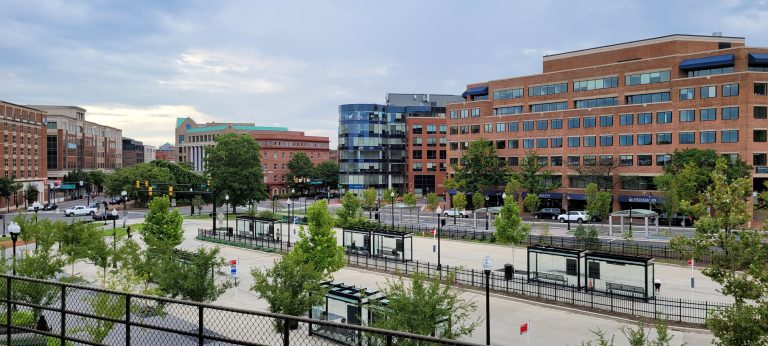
{"type": "Point", "coordinates": [416, 129]}
{"type": "Point", "coordinates": [759, 136]}
{"type": "Point", "coordinates": [730, 113]}
{"type": "Point", "coordinates": [416, 141]}
{"type": "Point", "coordinates": [513, 126]}
{"type": "Point", "coordinates": [626, 140]}
{"type": "Point", "coordinates": [589, 122]}
{"type": "Point", "coordinates": [590, 160]}
{"type": "Point", "coordinates": [759, 159]}
{"type": "Point", "coordinates": [606, 120]}
{"type": "Point", "coordinates": [464, 114]}
{"type": "Point", "coordinates": [625, 160]}
{"type": "Point", "coordinates": [663, 117]}
{"type": "Point", "coordinates": [644, 160]}
{"type": "Point", "coordinates": [710, 71]}
{"type": "Point", "coordinates": [500, 144]}
{"type": "Point", "coordinates": [417, 166]}
{"type": "Point", "coordinates": [729, 136]}
{"type": "Point", "coordinates": [647, 78]}
{"type": "Point", "coordinates": [475, 112]}
{"type": "Point", "coordinates": [548, 89]}
{"type": "Point", "coordinates": [508, 110]}
{"type": "Point", "coordinates": [431, 141]}
{"type": "Point", "coordinates": [644, 118]}
{"type": "Point", "coordinates": [594, 84]}
{"type": "Point", "coordinates": [574, 142]}
{"type": "Point", "coordinates": [442, 129]}
{"type": "Point", "coordinates": [512, 161]}
{"type": "Point", "coordinates": [708, 114]}
{"type": "Point", "coordinates": [644, 139]}
{"type": "Point", "coordinates": [542, 142]}
{"type": "Point", "coordinates": [707, 137]}
{"type": "Point", "coordinates": [595, 103]}
{"type": "Point", "coordinates": [431, 129]}
{"type": "Point", "coordinates": [543, 160]}
{"type": "Point", "coordinates": [760, 112]}
{"type": "Point", "coordinates": [574, 160]}
{"type": "Point", "coordinates": [454, 130]}
{"type": "Point", "coordinates": [557, 124]}
{"type": "Point", "coordinates": [663, 138]}
{"type": "Point", "coordinates": [687, 138]}
{"type": "Point", "coordinates": [626, 119]}
{"type": "Point", "coordinates": [528, 125]}
{"type": "Point", "coordinates": [687, 115]}
{"type": "Point", "coordinates": [556, 142]}
{"type": "Point", "coordinates": [488, 128]}
{"type": "Point", "coordinates": [417, 154]}
{"type": "Point", "coordinates": [647, 98]}
{"type": "Point", "coordinates": [606, 140]}
{"type": "Point", "coordinates": [454, 114]}
{"type": "Point", "coordinates": [474, 128]}
{"type": "Point", "coordinates": [549, 107]}
{"type": "Point", "coordinates": [541, 124]}
{"type": "Point", "coordinates": [573, 123]}
{"type": "Point", "coordinates": [589, 141]}
{"type": "Point", "coordinates": [663, 159]}
{"type": "Point", "coordinates": [513, 144]}
{"type": "Point", "coordinates": [730, 89]}
{"type": "Point", "coordinates": [527, 143]}
{"type": "Point", "coordinates": [761, 89]}
{"type": "Point", "coordinates": [687, 94]}
{"type": "Point", "coordinates": [508, 94]}
{"type": "Point", "coordinates": [707, 92]}
{"type": "Point", "coordinates": [556, 160]}
{"type": "Point", "coordinates": [501, 127]}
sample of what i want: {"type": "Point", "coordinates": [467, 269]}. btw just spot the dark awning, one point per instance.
{"type": "Point", "coordinates": [642, 199]}
{"type": "Point", "coordinates": [477, 91]}
{"type": "Point", "coordinates": [758, 58]}
{"type": "Point", "coordinates": [707, 62]}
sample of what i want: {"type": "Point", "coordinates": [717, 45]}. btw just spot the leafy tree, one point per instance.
{"type": "Point", "coordinates": [234, 165]}
{"type": "Point", "coordinates": [460, 201]}
{"type": "Point", "coordinates": [635, 337]}
{"type": "Point", "coordinates": [410, 201]}
{"type": "Point", "coordinates": [197, 203]}
{"type": "Point", "coordinates": [191, 277]}
{"type": "Point", "coordinates": [601, 173]}
{"type": "Point", "coordinates": [532, 202]}
{"type": "Point", "coordinates": [510, 229]}
{"type": "Point", "coordinates": [300, 168]}
{"type": "Point", "coordinates": [328, 171]}
{"type": "Point", "coordinates": [162, 229]}
{"type": "Point", "coordinates": [479, 167]}
{"type": "Point", "coordinates": [533, 176]}
{"type": "Point", "coordinates": [706, 159]}
{"type": "Point", "coordinates": [598, 202]}
{"type": "Point", "coordinates": [101, 254]}
{"type": "Point", "coordinates": [587, 236]}
{"type": "Point", "coordinates": [318, 243]}
{"type": "Point", "coordinates": [386, 196]}
{"type": "Point", "coordinates": [108, 305]}
{"type": "Point", "coordinates": [97, 178]}
{"type": "Point", "coordinates": [291, 286]}
{"type": "Point", "coordinates": [6, 190]}
{"type": "Point", "coordinates": [124, 179]}
{"type": "Point", "coordinates": [741, 264]}
{"type": "Point", "coordinates": [350, 208]}
{"type": "Point", "coordinates": [680, 186]}
{"type": "Point", "coordinates": [478, 200]}
{"type": "Point", "coordinates": [427, 306]}
{"type": "Point", "coordinates": [433, 201]}
{"type": "Point", "coordinates": [369, 199]}
{"type": "Point", "coordinates": [31, 193]}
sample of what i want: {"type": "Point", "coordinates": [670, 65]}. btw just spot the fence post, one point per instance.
{"type": "Point", "coordinates": [8, 309]}
{"type": "Point", "coordinates": [706, 310]}
{"type": "Point", "coordinates": [127, 320]}
{"type": "Point", "coordinates": [200, 335]}
{"type": "Point", "coordinates": [286, 332]}
{"type": "Point", "coordinates": [611, 294]}
{"type": "Point", "coordinates": [592, 298]}
{"type": "Point", "coordinates": [63, 314]}
{"type": "Point", "coordinates": [389, 339]}
{"type": "Point", "coordinates": [655, 309]}
{"type": "Point", "coordinates": [473, 276]}
{"type": "Point", "coordinates": [680, 304]}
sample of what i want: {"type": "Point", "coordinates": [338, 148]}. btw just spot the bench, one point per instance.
{"type": "Point", "coordinates": [556, 278]}
{"type": "Point", "coordinates": [612, 286]}
{"type": "Point", "coordinates": [389, 253]}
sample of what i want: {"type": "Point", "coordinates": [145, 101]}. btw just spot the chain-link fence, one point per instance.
{"type": "Point", "coordinates": [53, 313]}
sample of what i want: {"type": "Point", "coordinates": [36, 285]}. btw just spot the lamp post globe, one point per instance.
{"type": "Point", "coordinates": [487, 267]}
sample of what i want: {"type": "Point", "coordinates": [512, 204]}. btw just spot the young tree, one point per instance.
{"type": "Point", "coordinates": [479, 167]}
{"type": "Point", "coordinates": [533, 176]}
{"type": "Point", "coordinates": [162, 229]}
{"type": "Point", "coordinates": [31, 193]}
{"type": "Point", "coordinates": [426, 307]}
{"type": "Point", "coordinates": [598, 202]}
{"type": "Point", "coordinates": [6, 190]}
{"type": "Point", "coordinates": [191, 278]}
{"type": "Point", "coordinates": [350, 209]}
{"type": "Point", "coordinates": [510, 229]}
{"type": "Point", "coordinates": [328, 171]}
{"type": "Point", "coordinates": [300, 169]}
{"type": "Point", "coordinates": [410, 201]}
{"type": "Point", "coordinates": [318, 243]}
{"type": "Point", "coordinates": [197, 203]}
{"type": "Point", "coordinates": [478, 200]}
{"type": "Point", "coordinates": [433, 201]}
{"type": "Point", "coordinates": [459, 203]}
{"type": "Point", "coordinates": [234, 165]}
{"type": "Point", "coordinates": [97, 179]}
{"type": "Point", "coordinates": [369, 200]}
{"type": "Point", "coordinates": [386, 196]}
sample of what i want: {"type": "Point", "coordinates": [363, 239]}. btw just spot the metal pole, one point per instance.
{"type": "Point", "coordinates": [226, 211]}
{"type": "Point", "coordinates": [568, 210]}
{"type": "Point", "coordinates": [393, 211]}
{"type": "Point", "coordinates": [13, 239]}
{"type": "Point", "coordinates": [439, 267]}
{"type": "Point", "coordinates": [487, 307]}
{"type": "Point", "coordinates": [213, 214]}
{"type": "Point", "coordinates": [289, 224]}
{"type": "Point", "coordinates": [114, 243]}
{"type": "Point", "coordinates": [630, 214]}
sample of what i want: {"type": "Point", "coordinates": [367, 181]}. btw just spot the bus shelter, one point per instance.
{"type": "Point", "coordinates": [619, 274]}
{"type": "Point", "coordinates": [378, 243]}
{"type": "Point", "coordinates": [556, 265]}
{"type": "Point", "coordinates": [256, 228]}
{"type": "Point", "coordinates": [645, 214]}
{"type": "Point", "coordinates": [345, 304]}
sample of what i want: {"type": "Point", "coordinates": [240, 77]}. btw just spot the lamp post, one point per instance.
{"type": "Point", "coordinates": [289, 221]}
{"type": "Point", "coordinates": [568, 210]}
{"type": "Point", "coordinates": [114, 235]}
{"type": "Point", "coordinates": [650, 198]}
{"type": "Point", "coordinates": [439, 224]}
{"type": "Point", "coordinates": [487, 266]}
{"type": "Point", "coordinates": [630, 213]}
{"type": "Point", "coordinates": [124, 194]}
{"type": "Point", "coordinates": [191, 205]}
{"type": "Point", "coordinates": [392, 195]}
{"type": "Point", "coordinates": [114, 218]}
{"type": "Point", "coordinates": [226, 211]}
{"type": "Point", "coordinates": [81, 186]}
{"type": "Point", "coordinates": [487, 212]}
{"type": "Point", "coordinates": [378, 208]}
{"type": "Point", "coordinates": [14, 229]}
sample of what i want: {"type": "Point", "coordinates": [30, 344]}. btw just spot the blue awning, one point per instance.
{"type": "Point", "coordinates": [758, 58]}
{"type": "Point", "coordinates": [551, 195]}
{"type": "Point", "coordinates": [707, 62]}
{"type": "Point", "coordinates": [477, 91]}
{"type": "Point", "coordinates": [577, 197]}
{"type": "Point", "coordinates": [642, 199]}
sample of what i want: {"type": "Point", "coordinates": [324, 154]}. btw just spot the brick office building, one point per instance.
{"type": "Point", "coordinates": [23, 150]}
{"type": "Point", "coordinates": [166, 152]}
{"type": "Point", "coordinates": [133, 152]}
{"type": "Point", "coordinates": [427, 152]}
{"type": "Point", "coordinates": [278, 145]}
{"type": "Point", "coordinates": [631, 104]}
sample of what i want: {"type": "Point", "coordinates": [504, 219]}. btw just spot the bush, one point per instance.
{"type": "Point", "coordinates": [22, 318]}
{"type": "Point", "coordinates": [268, 214]}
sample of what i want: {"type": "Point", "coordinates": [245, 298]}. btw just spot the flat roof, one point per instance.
{"type": "Point", "coordinates": [667, 38]}
{"type": "Point", "coordinates": [22, 106]}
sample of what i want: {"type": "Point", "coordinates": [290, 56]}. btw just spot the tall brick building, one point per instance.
{"type": "Point", "coordinates": [278, 145]}
{"type": "Point", "coordinates": [631, 104]}
{"type": "Point", "coordinates": [24, 149]}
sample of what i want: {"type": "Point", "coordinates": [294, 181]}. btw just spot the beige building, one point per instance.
{"type": "Point", "coordinates": [150, 153]}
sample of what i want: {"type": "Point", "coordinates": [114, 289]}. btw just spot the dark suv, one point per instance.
{"type": "Point", "coordinates": [547, 213]}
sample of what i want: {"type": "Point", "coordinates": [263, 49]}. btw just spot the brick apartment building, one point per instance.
{"type": "Point", "coordinates": [166, 152]}
{"type": "Point", "coordinates": [24, 150]}
{"type": "Point", "coordinates": [278, 145]}
{"type": "Point", "coordinates": [632, 104]}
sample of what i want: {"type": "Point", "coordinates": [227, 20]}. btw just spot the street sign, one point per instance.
{"type": "Point", "coordinates": [523, 328]}
{"type": "Point", "coordinates": [173, 202]}
{"type": "Point", "coordinates": [220, 218]}
{"type": "Point", "coordinates": [67, 186]}
{"type": "Point", "coordinates": [233, 268]}
{"type": "Point", "coordinates": [690, 261]}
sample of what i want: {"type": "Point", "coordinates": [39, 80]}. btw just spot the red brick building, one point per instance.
{"type": "Point", "coordinates": [426, 157]}
{"type": "Point", "coordinates": [24, 150]}
{"type": "Point", "coordinates": [631, 104]}
{"type": "Point", "coordinates": [166, 152]}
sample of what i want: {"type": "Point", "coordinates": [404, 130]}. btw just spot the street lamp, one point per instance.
{"type": "Point", "coordinates": [650, 198]}
{"type": "Point", "coordinates": [191, 205]}
{"type": "Point", "coordinates": [568, 210]}
{"type": "Point", "coordinates": [630, 213]}
{"type": "Point", "coordinates": [378, 208]}
{"type": "Point", "coordinates": [487, 211]}
{"type": "Point", "coordinates": [114, 218]}
{"type": "Point", "coordinates": [124, 194]}
{"type": "Point", "coordinates": [392, 195]}
{"type": "Point", "coordinates": [289, 221]}
{"type": "Point", "coordinates": [114, 234]}
{"type": "Point", "coordinates": [81, 185]}
{"type": "Point", "coordinates": [487, 266]}
{"type": "Point", "coordinates": [226, 211]}
{"type": "Point", "coordinates": [503, 198]}
{"type": "Point", "coordinates": [14, 229]}
{"type": "Point", "coordinates": [439, 224]}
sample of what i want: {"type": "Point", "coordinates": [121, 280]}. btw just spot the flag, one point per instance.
{"type": "Point", "coordinates": [432, 232]}
{"type": "Point", "coordinates": [233, 262]}
{"type": "Point", "coordinates": [523, 328]}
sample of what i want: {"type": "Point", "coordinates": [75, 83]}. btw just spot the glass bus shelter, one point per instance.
{"type": "Point", "coordinates": [378, 243]}
{"type": "Point", "coordinates": [556, 265]}
{"type": "Point", "coordinates": [619, 274]}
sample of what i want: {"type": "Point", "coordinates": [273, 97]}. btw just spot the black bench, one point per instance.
{"type": "Point", "coordinates": [556, 278]}
{"type": "Point", "coordinates": [612, 286]}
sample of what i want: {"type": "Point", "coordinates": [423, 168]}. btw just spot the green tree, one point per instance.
{"type": "Point", "coordinates": [460, 201]}
{"type": "Point", "coordinates": [162, 229]}
{"type": "Point", "coordinates": [369, 199]}
{"type": "Point", "coordinates": [478, 200]}
{"type": "Point", "coordinates": [386, 196]}
{"type": "Point", "coordinates": [197, 203]}
{"type": "Point", "coordinates": [291, 286]}
{"type": "Point", "coordinates": [410, 201]}
{"type": "Point", "coordinates": [533, 176]}
{"type": "Point", "coordinates": [706, 159]}
{"type": "Point", "coordinates": [101, 255]}
{"type": "Point", "coordinates": [328, 171]}
{"type": "Point", "coordinates": [427, 306]}
{"type": "Point", "coordinates": [300, 169]}
{"type": "Point", "coordinates": [510, 229]}
{"type": "Point", "coordinates": [433, 201]}
{"type": "Point", "coordinates": [318, 243]}
{"type": "Point", "coordinates": [588, 236]}
{"type": "Point", "coordinates": [31, 193]}
{"type": "Point", "coordinates": [598, 202]}
{"type": "Point", "coordinates": [190, 277]}
{"type": "Point", "coordinates": [97, 178]}
{"type": "Point", "coordinates": [680, 186]}
{"type": "Point", "coordinates": [350, 209]}
{"type": "Point", "coordinates": [234, 165]}
{"type": "Point", "coordinates": [532, 202]}
{"type": "Point", "coordinates": [479, 168]}
{"type": "Point", "coordinates": [6, 190]}
{"type": "Point", "coordinates": [124, 179]}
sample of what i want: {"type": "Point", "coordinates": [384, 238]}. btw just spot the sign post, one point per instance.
{"type": "Point", "coordinates": [233, 273]}
{"type": "Point", "coordinates": [691, 263]}
{"type": "Point", "coordinates": [524, 330]}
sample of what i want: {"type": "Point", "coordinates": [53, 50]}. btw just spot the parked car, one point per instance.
{"type": "Point", "coordinates": [79, 210]}
{"type": "Point", "coordinates": [35, 205]}
{"type": "Point", "coordinates": [50, 206]}
{"type": "Point", "coordinates": [547, 213]}
{"type": "Point", "coordinates": [116, 200]}
{"type": "Point", "coordinates": [577, 216]}
{"type": "Point", "coordinates": [457, 213]}
{"type": "Point", "coordinates": [677, 219]}
{"type": "Point", "coordinates": [105, 216]}
{"type": "Point", "coordinates": [375, 208]}
{"type": "Point", "coordinates": [321, 195]}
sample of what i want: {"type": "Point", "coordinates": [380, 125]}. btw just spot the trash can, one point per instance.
{"type": "Point", "coordinates": [509, 271]}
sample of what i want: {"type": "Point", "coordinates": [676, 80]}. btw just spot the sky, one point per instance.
{"type": "Point", "coordinates": [138, 65]}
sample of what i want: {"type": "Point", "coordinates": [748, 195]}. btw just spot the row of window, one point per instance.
{"type": "Point", "coordinates": [647, 98]}
{"type": "Point", "coordinates": [664, 138]}
{"type": "Point", "coordinates": [431, 166]}
{"type": "Point", "coordinates": [549, 89]}
{"type": "Point", "coordinates": [591, 160]}
{"type": "Point", "coordinates": [431, 129]}
{"type": "Point", "coordinates": [432, 141]}
{"type": "Point", "coordinates": [431, 154]}
{"type": "Point", "coordinates": [594, 84]}
{"type": "Point", "coordinates": [647, 78]}
{"type": "Point", "coordinates": [598, 102]}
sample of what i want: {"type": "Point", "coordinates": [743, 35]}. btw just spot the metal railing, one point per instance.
{"type": "Point", "coordinates": [255, 242]}
{"type": "Point", "coordinates": [95, 316]}
{"type": "Point", "coordinates": [678, 310]}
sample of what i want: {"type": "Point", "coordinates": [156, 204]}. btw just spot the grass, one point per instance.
{"type": "Point", "coordinates": [236, 244]}
{"type": "Point", "coordinates": [107, 230]}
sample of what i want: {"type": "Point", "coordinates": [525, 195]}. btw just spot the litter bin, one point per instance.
{"type": "Point", "coordinates": [509, 271]}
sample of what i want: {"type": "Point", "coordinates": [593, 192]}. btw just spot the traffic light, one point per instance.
{"type": "Point", "coordinates": [137, 184]}
{"type": "Point", "coordinates": [209, 184]}
{"type": "Point", "coordinates": [150, 190]}
{"type": "Point", "coordinates": [170, 190]}
{"type": "Point", "coordinates": [146, 183]}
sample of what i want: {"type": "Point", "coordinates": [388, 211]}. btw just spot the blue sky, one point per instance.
{"type": "Point", "coordinates": [140, 64]}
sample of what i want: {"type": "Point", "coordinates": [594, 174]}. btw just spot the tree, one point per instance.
{"type": "Point", "coordinates": [291, 286]}
{"type": "Point", "coordinates": [587, 236]}
{"type": "Point", "coordinates": [300, 169]}
{"type": "Point", "coordinates": [124, 179]}
{"type": "Point", "coordinates": [738, 258]}
{"type": "Point", "coordinates": [478, 200]}
{"type": "Point", "coordinates": [601, 172]}
{"type": "Point", "coordinates": [234, 165]}
{"type": "Point", "coordinates": [162, 229]}
{"type": "Point", "coordinates": [426, 307]}
{"type": "Point", "coordinates": [706, 159]}
{"type": "Point", "coordinates": [369, 199]}
{"type": "Point", "coordinates": [350, 209]}
{"type": "Point", "coordinates": [532, 202]}
{"type": "Point", "coordinates": [189, 276]}
{"type": "Point", "coordinates": [31, 193]}
{"type": "Point", "coordinates": [386, 196]}
{"type": "Point", "coordinates": [197, 203]}
{"type": "Point", "coordinates": [510, 229]}
{"type": "Point", "coordinates": [328, 171]}
{"type": "Point", "coordinates": [318, 243]}
{"type": "Point", "coordinates": [433, 201]}
{"type": "Point", "coordinates": [410, 201]}
{"type": "Point", "coordinates": [97, 178]}
{"type": "Point", "coordinates": [6, 190]}
{"type": "Point", "coordinates": [598, 202]}
{"type": "Point", "coordinates": [532, 175]}
{"type": "Point", "coordinates": [479, 167]}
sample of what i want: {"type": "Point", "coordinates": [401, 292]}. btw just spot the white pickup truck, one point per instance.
{"type": "Point", "coordinates": [80, 211]}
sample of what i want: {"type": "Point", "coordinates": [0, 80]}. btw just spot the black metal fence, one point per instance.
{"type": "Point", "coordinates": [671, 309]}
{"type": "Point", "coordinates": [255, 242]}
{"type": "Point", "coordinates": [76, 314]}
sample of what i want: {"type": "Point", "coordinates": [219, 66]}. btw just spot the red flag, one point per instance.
{"type": "Point", "coordinates": [233, 262]}
{"type": "Point", "coordinates": [690, 261]}
{"type": "Point", "coordinates": [432, 232]}
{"type": "Point", "coordinates": [523, 328]}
